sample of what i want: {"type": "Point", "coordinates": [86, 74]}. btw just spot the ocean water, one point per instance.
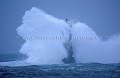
{"type": "Point", "coordinates": [86, 70]}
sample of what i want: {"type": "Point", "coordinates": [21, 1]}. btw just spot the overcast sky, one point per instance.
{"type": "Point", "coordinates": [103, 16]}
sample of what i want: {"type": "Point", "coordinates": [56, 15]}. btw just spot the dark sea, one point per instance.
{"type": "Point", "coordinates": [86, 70]}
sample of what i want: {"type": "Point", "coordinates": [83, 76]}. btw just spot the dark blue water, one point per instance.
{"type": "Point", "coordinates": [87, 70]}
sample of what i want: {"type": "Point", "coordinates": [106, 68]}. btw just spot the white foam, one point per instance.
{"type": "Point", "coordinates": [37, 23]}
{"type": "Point", "coordinates": [90, 48]}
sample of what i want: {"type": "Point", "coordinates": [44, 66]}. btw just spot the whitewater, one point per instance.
{"type": "Point", "coordinates": [45, 38]}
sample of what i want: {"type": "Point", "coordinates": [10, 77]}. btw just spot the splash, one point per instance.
{"type": "Point", "coordinates": [49, 40]}
{"type": "Point", "coordinates": [90, 48]}
{"type": "Point", "coordinates": [40, 32]}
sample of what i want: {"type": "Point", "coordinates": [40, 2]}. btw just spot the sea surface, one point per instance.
{"type": "Point", "coordinates": [82, 70]}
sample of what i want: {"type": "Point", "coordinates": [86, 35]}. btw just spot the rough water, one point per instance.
{"type": "Point", "coordinates": [46, 54]}
{"type": "Point", "coordinates": [82, 70]}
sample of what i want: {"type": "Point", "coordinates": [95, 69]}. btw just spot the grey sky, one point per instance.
{"type": "Point", "coordinates": [103, 16]}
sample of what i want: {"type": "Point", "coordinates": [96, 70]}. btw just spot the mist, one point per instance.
{"type": "Point", "coordinates": [45, 38]}
{"type": "Point", "coordinates": [37, 25]}
{"type": "Point", "coordinates": [89, 48]}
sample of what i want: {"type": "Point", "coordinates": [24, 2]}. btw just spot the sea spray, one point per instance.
{"type": "Point", "coordinates": [88, 47]}
{"type": "Point", "coordinates": [37, 23]}
{"type": "Point", "coordinates": [45, 36]}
